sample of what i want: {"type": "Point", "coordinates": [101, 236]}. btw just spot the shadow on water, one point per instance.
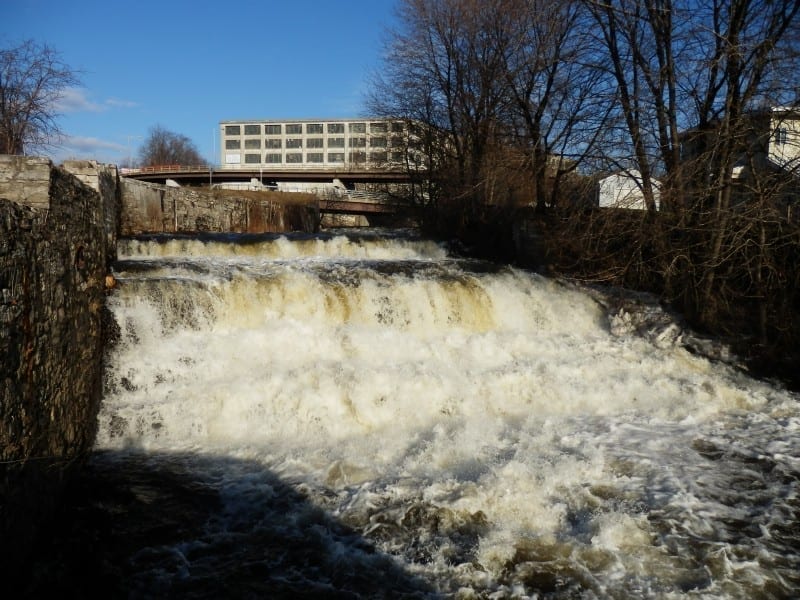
{"type": "Point", "coordinates": [188, 526]}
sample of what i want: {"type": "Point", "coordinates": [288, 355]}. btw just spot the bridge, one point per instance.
{"type": "Point", "coordinates": [348, 174]}
{"type": "Point", "coordinates": [335, 187]}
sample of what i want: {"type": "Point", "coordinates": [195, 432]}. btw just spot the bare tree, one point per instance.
{"type": "Point", "coordinates": [700, 65]}
{"type": "Point", "coordinates": [697, 81]}
{"type": "Point", "coordinates": [164, 147]}
{"type": "Point", "coordinates": [32, 81]}
{"type": "Point", "coordinates": [638, 47]}
{"type": "Point", "coordinates": [557, 105]}
{"type": "Point", "coordinates": [444, 71]}
{"type": "Point", "coordinates": [509, 103]}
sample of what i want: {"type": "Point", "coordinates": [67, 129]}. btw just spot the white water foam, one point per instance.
{"type": "Point", "coordinates": [497, 419]}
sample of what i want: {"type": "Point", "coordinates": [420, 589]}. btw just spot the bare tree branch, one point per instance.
{"type": "Point", "coordinates": [32, 81]}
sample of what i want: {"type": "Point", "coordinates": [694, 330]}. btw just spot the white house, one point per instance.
{"type": "Point", "coordinates": [783, 149]}
{"type": "Point", "coordinates": [624, 190]}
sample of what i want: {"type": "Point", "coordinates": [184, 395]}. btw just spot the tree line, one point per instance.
{"type": "Point", "coordinates": [589, 85]}
{"type": "Point", "coordinates": [520, 102]}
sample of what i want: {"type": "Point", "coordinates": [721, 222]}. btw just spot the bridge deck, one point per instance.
{"type": "Point", "coordinates": [203, 174]}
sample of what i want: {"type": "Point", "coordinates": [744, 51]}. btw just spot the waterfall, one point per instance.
{"type": "Point", "coordinates": [483, 428]}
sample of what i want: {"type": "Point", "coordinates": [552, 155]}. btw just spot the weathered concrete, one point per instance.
{"type": "Point", "coordinates": [57, 239]}
{"type": "Point", "coordinates": [25, 179]}
{"type": "Point", "coordinates": [154, 208]}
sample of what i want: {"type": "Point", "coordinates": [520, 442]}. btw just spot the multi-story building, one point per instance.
{"type": "Point", "coordinates": [336, 144]}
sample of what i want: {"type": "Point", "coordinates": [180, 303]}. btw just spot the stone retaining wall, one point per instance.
{"type": "Point", "coordinates": [57, 238]}
{"type": "Point", "coordinates": [58, 234]}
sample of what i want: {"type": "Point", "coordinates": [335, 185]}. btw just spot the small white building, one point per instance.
{"type": "Point", "coordinates": [624, 190]}
{"type": "Point", "coordinates": [783, 149]}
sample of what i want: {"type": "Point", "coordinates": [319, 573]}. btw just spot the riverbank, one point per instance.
{"type": "Point", "coordinates": [753, 305]}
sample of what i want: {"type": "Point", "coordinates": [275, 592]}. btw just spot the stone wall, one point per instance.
{"type": "Point", "coordinates": [57, 237]}
{"type": "Point", "coordinates": [153, 208]}
{"type": "Point", "coordinates": [58, 234]}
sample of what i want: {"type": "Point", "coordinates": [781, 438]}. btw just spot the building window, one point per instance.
{"type": "Point", "coordinates": [294, 142]}
{"type": "Point", "coordinates": [314, 157]}
{"type": "Point", "coordinates": [232, 130]}
{"type": "Point", "coordinates": [252, 129]}
{"type": "Point", "coordinates": [357, 128]}
{"type": "Point", "coordinates": [294, 128]}
{"type": "Point", "coordinates": [294, 157]}
{"type": "Point", "coordinates": [335, 142]}
{"type": "Point", "coordinates": [335, 127]}
{"type": "Point", "coordinates": [358, 157]}
{"type": "Point", "coordinates": [377, 127]}
{"type": "Point", "coordinates": [274, 143]}
{"type": "Point", "coordinates": [397, 141]}
{"type": "Point", "coordinates": [314, 143]}
{"type": "Point", "coordinates": [397, 127]}
{"type": "Point", "coordinates": [358, 142]}
{"type": "Point", "coordinates": [377, 157]}
{"type": "Point", "coordinates": [377, 142]}
{"type": "Point", "coordinates": [252, 144]}
{"type": "Point", "coordinates": [232, 144]}
{"type": "Point", "coordinates": [335, 156]}
{"type": "Point", "coordinates": [781, 135]}
{"type": "Point", "coordinates": [272, 158]}
{"type": "Point", "coordinates": [272, 129]}
{"type": "Point", "coordinates": [397, 157]}
{"type": "Point", "coordinates": [314, 128]}
{"type": "Point", "coordinates": [252, 158]}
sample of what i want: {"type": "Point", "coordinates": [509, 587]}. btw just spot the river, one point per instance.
{"type": "Point", "coordinates": [364, 414]}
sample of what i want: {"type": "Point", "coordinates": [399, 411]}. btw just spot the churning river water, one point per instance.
{"type": "Point", "coordinates": [366, 415]}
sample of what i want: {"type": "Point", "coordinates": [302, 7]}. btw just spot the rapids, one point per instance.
{"type": "Point", "coordinates": [451, 429]}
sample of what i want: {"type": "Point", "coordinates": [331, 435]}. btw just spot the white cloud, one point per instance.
{"type": "Point", "coordinates": [119, 103]}
{"type": "Point", "coordinates": [76, 100]}
{"type": "Point", "coordinates": [92, 143]}
{"type": "Point", "coordinates": [88, 148]}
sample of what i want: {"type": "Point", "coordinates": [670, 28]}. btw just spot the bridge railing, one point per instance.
{"type": "Point", "coordinates": [333, 168]}
{"type": "Point", "coordinates": [165, 169]}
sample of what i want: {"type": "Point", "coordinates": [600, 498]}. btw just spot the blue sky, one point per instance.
{"type": "Point", "coordinates": [186, 65]}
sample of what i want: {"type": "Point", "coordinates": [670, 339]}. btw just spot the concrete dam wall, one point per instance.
{"type": "Point", "coordinates": [153, 208]}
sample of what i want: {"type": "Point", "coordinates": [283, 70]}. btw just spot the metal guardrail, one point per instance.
{"type": "Point", "coordinates": [167, 169]}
